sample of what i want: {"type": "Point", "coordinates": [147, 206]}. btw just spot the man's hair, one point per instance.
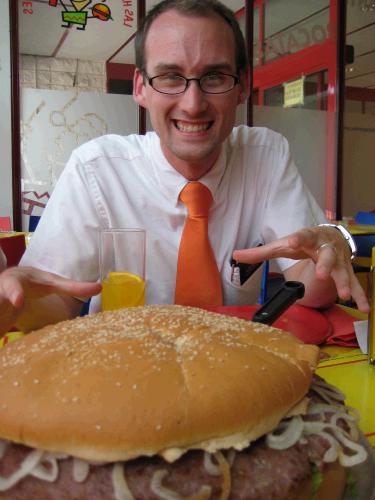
{"type": "Point", "coordinates": [197, 8]}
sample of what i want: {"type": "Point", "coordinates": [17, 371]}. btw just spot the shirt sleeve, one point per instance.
{"type": "Point", "coordinates": [66, 239]}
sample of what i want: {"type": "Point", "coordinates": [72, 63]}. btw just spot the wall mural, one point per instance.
{"type": "Point", "coordinates": [53, 123]}
{"type": "Point", "coordinates": [77, 15]}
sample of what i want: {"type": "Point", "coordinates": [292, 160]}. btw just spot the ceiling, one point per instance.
{"type": "Point", "coordinates": [41, 32]}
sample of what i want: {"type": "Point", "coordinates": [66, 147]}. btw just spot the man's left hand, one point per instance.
{"type": "Point", "coordinates": [326, 248]}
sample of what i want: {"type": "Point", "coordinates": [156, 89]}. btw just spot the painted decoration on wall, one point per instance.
{"type": "Point", "coordinates": [77, 13]}
{"type": "Point", "coordinates": [33, 202]}
{"type": "Point", "coordinates": [53, 123]}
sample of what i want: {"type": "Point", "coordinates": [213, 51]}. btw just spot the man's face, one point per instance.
{"type": "Point", "coordinates": [192, 125]}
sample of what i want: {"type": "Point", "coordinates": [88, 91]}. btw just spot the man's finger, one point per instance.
{"type": "Point", "coordinates": [326, 259]}
{"type": "Point", "coordinates": [264, 252]}
{"type": "Point", "coordinates": [359, 295]}
{"type": "Point", "coordinates": [7, 313]}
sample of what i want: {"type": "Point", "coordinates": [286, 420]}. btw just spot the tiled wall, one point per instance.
{"type": "Point", "coordinates": [62, 74]}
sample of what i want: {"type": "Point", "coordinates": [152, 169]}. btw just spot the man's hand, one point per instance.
{"type": "Point", "coordinates": [327, 251]}
{"type": "Point", "coordinates": [24, 291]}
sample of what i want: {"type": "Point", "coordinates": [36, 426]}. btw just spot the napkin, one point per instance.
{"type": "Point", "coordinates": [361, 328]}
{"type": "Point", "coordinates": [342, 322]}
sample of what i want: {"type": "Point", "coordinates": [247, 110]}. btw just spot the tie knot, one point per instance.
{"type": "Point", "coordinates": [197, 197]}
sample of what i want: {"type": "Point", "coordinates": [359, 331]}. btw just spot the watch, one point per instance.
{"type": "Point", "coordinates": [348, 237]}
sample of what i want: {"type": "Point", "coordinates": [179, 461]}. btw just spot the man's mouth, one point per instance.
{"type": "Point", "coordinates": [192, 127]}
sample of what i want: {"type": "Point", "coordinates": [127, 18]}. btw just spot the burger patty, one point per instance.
{"type": "Point", "coordinates": [256, 473]}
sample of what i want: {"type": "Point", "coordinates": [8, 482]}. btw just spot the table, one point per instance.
{"type": "Point", "coordinates": [348, 369]}
{"type": "Point", "coordinates": [360, 228]}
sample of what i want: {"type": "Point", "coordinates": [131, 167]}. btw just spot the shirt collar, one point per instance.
{"type": "Point", "coordinates": [171, 182]}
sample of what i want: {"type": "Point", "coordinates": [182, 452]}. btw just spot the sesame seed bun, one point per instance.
{"type": "Point", "coordinates": [150, 380]}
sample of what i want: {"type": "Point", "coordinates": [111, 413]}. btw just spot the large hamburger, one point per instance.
{"type": "Point", "coordinates": [168, 402]}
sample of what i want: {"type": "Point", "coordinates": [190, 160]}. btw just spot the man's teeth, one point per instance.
{"type": "Point", "coordinates": [192, 127]}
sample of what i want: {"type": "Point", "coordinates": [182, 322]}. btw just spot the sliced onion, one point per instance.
{"type": "Point", "coordinates": [327, 391]}
{"type": "Point", "coordinates": [225, 470]}
{"type": "Point", "coordinates": [350, 422]}
{"type": "Point", "coordinates": [160, 490]}
{"type": "Point", "coordinates": [291, 433]}
{"type": "Point", "coordinates": [166, 493]}
{"type": "Point", "coordinates": [339, 436]}
{"type": "Point", "coordinates": [28, 464]}
{"type": "Point", "coordinates": [356, 458]}
{"type": "Point", "coordinates": [81, 470]}
{"type": "Point", "coordinates": [322, 408]}
{"type": "Point", "coordinates": [120, 486]}
{"type": "Point", "coordinates": [332, 452]}
{"type": "Point", "coordinates": [359, 455]}
{"type": "Point", "coordinates": [46, 473]}
{"type": "Point", "coordinates": [211, 468]}
{"type": "Point", "coordinates": [231, 456]}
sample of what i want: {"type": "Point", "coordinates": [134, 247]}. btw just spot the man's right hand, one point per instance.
{"type": "Point", "coordinates": [29, 296]}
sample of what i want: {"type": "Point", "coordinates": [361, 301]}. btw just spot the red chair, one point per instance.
{"type": "Point", "coordinates": [5, 224]}
{"type": "Point", "coordinates": [13, 247]}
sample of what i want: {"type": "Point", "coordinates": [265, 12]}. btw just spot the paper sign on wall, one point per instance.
{"type": "Point", "coordinates": [294, 93]}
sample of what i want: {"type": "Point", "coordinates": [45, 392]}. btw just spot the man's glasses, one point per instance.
{"type": "Point", "coordinates": [211, 83]}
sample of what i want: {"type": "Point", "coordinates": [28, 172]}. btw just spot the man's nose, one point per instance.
{"type": "Point", "coordinates": [194, 99]}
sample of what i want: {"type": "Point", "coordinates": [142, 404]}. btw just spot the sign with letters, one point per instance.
{"type": "Point", "coordinates": [294, 93]}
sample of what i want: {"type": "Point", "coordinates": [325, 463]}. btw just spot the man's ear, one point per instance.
{"type": "Point", "coordinates": [139, 88]}
{"type": "Point", "coordinates": [244, 87]}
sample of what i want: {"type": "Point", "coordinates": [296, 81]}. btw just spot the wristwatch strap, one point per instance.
{"type": "Point", "coordinates": [348, 237]}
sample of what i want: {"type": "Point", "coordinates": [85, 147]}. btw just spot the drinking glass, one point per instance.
{"type": "Point", "coordinates": [122, 267]}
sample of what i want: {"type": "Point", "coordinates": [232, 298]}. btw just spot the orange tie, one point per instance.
{"type": "Point", "coordinates": [198, 280]}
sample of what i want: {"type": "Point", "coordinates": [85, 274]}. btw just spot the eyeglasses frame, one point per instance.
{"type": "Point", "coordinates": [188, 80]}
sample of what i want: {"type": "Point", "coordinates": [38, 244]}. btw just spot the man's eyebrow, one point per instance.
{"type": "Point", "coordinates": [164, 67]}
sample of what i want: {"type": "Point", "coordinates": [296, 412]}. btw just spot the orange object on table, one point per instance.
{"type": "Point", "coordinates": [307, 324]}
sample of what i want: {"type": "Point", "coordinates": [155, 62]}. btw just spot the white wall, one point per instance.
{"type": "Point", "coordinates": [6, 205]}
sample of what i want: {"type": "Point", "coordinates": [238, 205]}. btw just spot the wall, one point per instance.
{"type": "Point", "coordinates": [63, 104]}
{"type": "Point", "coordinates": [54, 122]}
{"type": "Point", "coordinates": [6, 203]}
{"type": "Point", "coordinates": [61, 74]}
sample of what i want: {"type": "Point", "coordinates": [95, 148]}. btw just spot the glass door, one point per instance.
{"type": "Point", "coordinates": [295, 80]}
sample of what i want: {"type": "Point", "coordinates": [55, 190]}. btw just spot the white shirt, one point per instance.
{"type": "Point", "coordinates": [116, 181]}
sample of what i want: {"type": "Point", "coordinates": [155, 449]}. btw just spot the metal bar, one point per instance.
{"type": "Point", "coordinates": [249, 22]}
{"type": "Point", "coordinates": [15, 113]}
{"type": "Point", "coordinates": [141, 12]}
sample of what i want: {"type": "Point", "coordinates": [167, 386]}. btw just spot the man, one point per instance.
{"type": "Point", "coordinates": [191, 75]}
{"type": "Point", "coordinates": [3, 260]}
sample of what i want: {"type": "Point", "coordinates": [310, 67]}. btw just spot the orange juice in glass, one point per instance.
{"type": "Point", "coordinates": [122, 267]}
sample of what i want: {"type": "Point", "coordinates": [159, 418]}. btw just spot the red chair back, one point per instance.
{"type": "Point", "coordinates": [13, 247]}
